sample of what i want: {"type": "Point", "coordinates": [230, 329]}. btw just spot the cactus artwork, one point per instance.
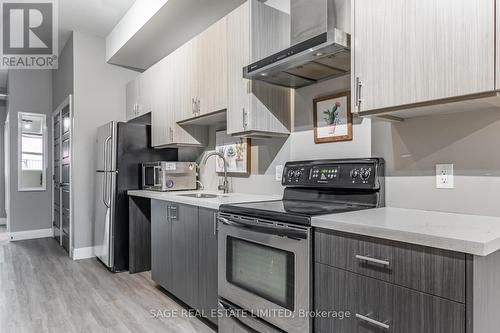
{"type": "Point", "coordinates": [332, 118]}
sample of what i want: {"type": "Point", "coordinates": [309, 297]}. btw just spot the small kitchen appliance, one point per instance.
{"type": "Point", "coordinates": [265, 248]}
{"type": "Point", "coordinates": [169, 176]}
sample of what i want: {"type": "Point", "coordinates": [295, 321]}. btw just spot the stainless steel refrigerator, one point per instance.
{"type": "Point", "coordinates": [121, 148]}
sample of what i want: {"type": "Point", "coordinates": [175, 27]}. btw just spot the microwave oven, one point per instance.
{"type": "Point", "coordinates": [169, 176]}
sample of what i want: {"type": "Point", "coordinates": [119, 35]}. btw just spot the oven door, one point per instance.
{"type": "Point", "coordinates": [265, 268]}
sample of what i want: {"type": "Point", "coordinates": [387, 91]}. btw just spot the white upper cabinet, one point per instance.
{"type": "Point", "coordinates": [210, 77]}
{"type": "Point", "coordinates": [254, 31]}
{"type": "Point", "coordinates": [415, 52]}
{"type": "Point", "coordinates": [139, 94]}
{"type": "Point", "coordinates": [132, 97]}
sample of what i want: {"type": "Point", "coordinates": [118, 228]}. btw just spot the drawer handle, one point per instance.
{"type": "Point", "coordinates": [373, 260]}
{"type": "Point", "coordinates": [367, 319]}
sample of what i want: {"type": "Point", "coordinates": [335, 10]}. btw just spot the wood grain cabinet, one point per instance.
{"type": "Point", "coordinates": [388, 286]}
{"type": "Point", "coordinates": [184, 254]}
{"type": "Point", "coordinates": [254, 31]}
{"type": "Point", "coordinates": [411, 53]}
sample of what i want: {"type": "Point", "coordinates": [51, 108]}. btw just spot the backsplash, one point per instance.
{"type": "Point", "coordinates": [411, 150]}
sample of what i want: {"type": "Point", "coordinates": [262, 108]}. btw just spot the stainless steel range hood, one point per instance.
{"type": "Point", "coordinates": [319, 49]}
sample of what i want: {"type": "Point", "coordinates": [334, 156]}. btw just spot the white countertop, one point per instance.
{"type": "Point", "coordinates": [473, 234]}
{"type": "Point", "coordinates": [212, 203]}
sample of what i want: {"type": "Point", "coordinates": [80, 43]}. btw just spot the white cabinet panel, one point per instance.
{"type": "Point", "coordinates": [415, 51]}
{"type": "Point", "coordinates": [255, 30]}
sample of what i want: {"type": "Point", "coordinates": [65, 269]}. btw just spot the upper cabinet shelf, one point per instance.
{"type": "Point", "coordinates": [416, 57]}
{"type": "Point", "coordinates": [153, 29]}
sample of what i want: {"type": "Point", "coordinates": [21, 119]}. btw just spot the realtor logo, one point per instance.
{"type": "Point", "coordinates": [29, 34]}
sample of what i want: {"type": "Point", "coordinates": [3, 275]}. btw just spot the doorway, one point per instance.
{"type": "Point", "coordinates": [62, 216]}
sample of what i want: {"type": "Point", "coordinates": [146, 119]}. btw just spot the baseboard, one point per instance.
{"type": "Point", "coordinates": [30, 234]}
{"type": "Point", "coordinates": [83, 253]}
{"type": "Point", "coordinates": [3, 221]}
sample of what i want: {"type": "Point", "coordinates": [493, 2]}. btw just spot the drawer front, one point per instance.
{"type": "Point", "coordinates": [434, 271]}
{"type": "Point", "coordinates": [376, 306]}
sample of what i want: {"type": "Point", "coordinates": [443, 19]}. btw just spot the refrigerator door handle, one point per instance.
{"type": "Point", "coordinates": [105, 189]}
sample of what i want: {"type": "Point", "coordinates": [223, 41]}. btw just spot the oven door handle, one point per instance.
{"type": "Point", "coordinates": [243, 322]}
{"type": "Point", "coordinates": [270, 229]}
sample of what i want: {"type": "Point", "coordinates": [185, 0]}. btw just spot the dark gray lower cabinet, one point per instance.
{"type": "Point", "coordinates": [373, 304]}
{"type": "Point", "coordinates": [161, 244]}
{"type": "Point", "coordinates": [184, 253]}
{"type": "Point", "coordinates": [207, 240]}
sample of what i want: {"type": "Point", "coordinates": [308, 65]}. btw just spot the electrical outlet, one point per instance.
{"type": "Point", "coordinates": [279, 172]}
{"type": "Point", "coordinates": [444, 176]}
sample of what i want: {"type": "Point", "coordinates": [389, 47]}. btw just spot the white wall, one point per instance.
{"type": "Point", "coordinates": [267, 154]}
{"type": "Point", "coordinates": [29, 91]}
{"type": "Point", "coordinates": [99, 97]}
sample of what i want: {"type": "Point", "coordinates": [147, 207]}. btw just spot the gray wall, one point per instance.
{"type": "Point", "coordinates": [29, 91]}
{"type": "Point", "coordinates": [99, 97]}
{"type": "Point", "coordinates": [63, 77]}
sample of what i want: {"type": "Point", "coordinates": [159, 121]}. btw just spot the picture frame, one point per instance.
{"type": "Point", "coordinates": [332, 118]}
{"type": "Point", "coordinates": [237, 152]}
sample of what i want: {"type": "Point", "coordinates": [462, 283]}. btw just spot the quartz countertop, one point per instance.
{"type": "Point", "coordinates": [212, 203]}
{"type": "Point", "coordinates": [472, 234]}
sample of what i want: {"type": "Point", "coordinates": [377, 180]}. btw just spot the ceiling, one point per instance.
{"type": "Point", "coordinates": [95, 17]}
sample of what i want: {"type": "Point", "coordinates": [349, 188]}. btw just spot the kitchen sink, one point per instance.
{"type": "Point", "coordinates": [201, 195]}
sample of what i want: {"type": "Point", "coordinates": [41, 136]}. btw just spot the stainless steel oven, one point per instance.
{"type": "Point", "coordinates": [265, 268]}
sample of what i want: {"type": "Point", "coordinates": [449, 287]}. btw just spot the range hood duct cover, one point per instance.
{"type": "Point", "coordinates": [319, 50]}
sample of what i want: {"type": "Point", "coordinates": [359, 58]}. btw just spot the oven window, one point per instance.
{"type": "Point", "coordinates": [262, 270]}
{"type": "Point", "coordinates": [149, 176]}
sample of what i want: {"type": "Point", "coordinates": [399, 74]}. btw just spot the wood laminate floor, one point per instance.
{"type": "Point", "coordinates": [42, 290]}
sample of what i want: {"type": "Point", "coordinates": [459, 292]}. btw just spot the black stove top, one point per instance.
{"type": "Point", "coordinates": [320, 188]}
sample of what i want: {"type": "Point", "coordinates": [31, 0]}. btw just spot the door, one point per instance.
{"type": "Point", "coordinates": [132, 99]}
{"type": "Point", "coordinates": [263, 266]}
{"type": "Point", "coordinates": [207, 240]}
{"type": "Point", "coordinates": [184, 220]}
{"type": "Point", "coordinates": [161, 244]}
{"type": "Point", "coordinates": [105, 192]}
{"type": "Point", "coordinates": [238, 56]}
{"type": "Point", "coordinates": [415, 51]}
{"type": "Point", "coordinates": [62, 217]}
{"type": "Point", "coordinates": [211, 60]}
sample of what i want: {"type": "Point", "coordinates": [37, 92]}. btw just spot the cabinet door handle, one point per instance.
{"type": "Point", "coordinates": [171, 134]}
{"type": "Point", "coordinates": [173, 213]}
{"type": "Point", "coordinates": [373, 260]}
{"type": "Point", "coordinates": [367, 319]}
{"type": "Point", "coordinates": [215, 224]}
{"type": "Point", "coordinates": [193, 105]}
{"type": "Point", "coordinates": [245, 124]}
{"type": "Point", "coordinates": [168, 213]}
{"type": "Point", "coordinates": [359, 84]}
{"type": "Point", "coordinates": [198, 106]}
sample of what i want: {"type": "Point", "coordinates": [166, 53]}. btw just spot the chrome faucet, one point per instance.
{"type": "Point", "coordinates": [225, 184]}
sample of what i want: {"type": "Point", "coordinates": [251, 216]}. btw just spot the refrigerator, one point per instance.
{"type": "Point", "coordinates": [121, 148]}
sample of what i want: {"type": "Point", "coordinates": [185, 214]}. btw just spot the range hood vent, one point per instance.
{"type": "Point", "coordinates": [319, 50]}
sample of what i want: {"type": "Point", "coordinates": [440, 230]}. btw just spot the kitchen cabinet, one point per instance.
{"type": "Point", "coordinates": [254, 31]}
{"type": "Point", "coordinates": [209, 76]}
{"type": "Point", "coordinates": [184, 249]}
{"type": "Point", "coordinates": [207, 240]}
{"type": "Point", "coordinates": [184, 253]}
{"type": "Point", "coordinates": [409, 54]}
{"type": "Point", "coordinates": [139, 94]}
{"type": "Point", "coordinates": [161, 241]}
{"type": "Point", "coordinates": [390, 286]}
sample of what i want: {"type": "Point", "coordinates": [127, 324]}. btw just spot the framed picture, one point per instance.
{"type": "Point", "coordinates": [237, 153]}
{"type": "Point", "coordinates": [332, 118]}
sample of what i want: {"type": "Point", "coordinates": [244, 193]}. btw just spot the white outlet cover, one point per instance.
{"type": "Point", "coordinates": [444, 176]}
{"type": "Point", "coordinates": [279, 172]}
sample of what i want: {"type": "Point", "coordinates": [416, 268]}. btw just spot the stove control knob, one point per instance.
{"type": "Point", "coordinates": [291, 173]}
{"type": "Point", "coordinates": [365, 174]}
{"type": "Point", "coordinates": [298, 173]}
{"type": "Point", "coordinates": [354, 173]}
